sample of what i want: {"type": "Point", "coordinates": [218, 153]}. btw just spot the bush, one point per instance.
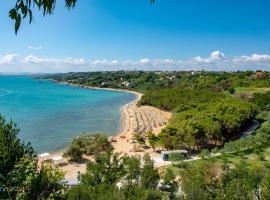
{"type": "Point", "coordinates": [139, 138]}
{"type": "Point", "coordinates": [89, 145]}
{"type": "Point", "coordinates": [74, 152]}
{"type": "Point", "coordinates": [205, 154]}
{"type": "Point", "coordinates": [232, 90]}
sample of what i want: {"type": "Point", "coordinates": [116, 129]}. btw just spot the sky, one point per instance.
{"type": "Point", "coordinates": [127, 34]}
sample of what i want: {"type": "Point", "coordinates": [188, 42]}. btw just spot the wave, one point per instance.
{"type": "Point", "coordinates": [5, 92]}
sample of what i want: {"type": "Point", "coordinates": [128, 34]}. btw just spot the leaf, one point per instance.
{"type": "Point", "coordinates": [24, 11]}
{"type": "Point", "coordinates": [30, 16]}
{"type": "Point", "coordinates": [13, 14]}
{"type": "Point", "coordinates": [17, 23]}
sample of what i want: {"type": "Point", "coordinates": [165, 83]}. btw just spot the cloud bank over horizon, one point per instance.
{"type": "Point", "coordinates": [216, 61]}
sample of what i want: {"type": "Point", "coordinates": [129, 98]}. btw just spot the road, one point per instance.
{"type": "Point", "coordinates": [248, 131]}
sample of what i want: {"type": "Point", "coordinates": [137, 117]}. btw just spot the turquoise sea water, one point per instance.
{"type": "Point", "coordinates": [50, 115]}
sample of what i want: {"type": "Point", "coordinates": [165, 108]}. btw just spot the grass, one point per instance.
{"type": "Point", "coordinates": [253, 160]}
{"type": "Point", "coordinates": [251, 90]}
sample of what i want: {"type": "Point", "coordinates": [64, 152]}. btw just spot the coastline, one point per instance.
{"type": "Point", "coordinates": [124, 112]}
{"type": "Point", "coordinates": [123, 109]}
{"type": "Point", "coordinates": [133, 119]}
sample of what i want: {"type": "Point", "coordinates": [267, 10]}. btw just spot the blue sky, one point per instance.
{"type": "Point", "coordinates": [127, 34]}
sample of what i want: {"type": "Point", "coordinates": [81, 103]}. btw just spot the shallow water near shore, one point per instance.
{"type": "Point", "coordinates": [50, 115]}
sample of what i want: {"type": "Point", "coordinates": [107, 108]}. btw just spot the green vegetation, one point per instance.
{"type": "Point", "coordinates": [209, 108]}
{"type": "Point", "coordinates": [176, 158]}
{"type": "Point", "coordinates": [88, 145]}
{"type": "Point", "coordinates": [201, 118]}
{"type": "Point", "coordinates": [152, 139]}
{"type": "Point", "coordinates": [114, 177]}
{"type": "Point", "coordinates": [139, 138]}
{"type": "Point", "coordinates": [19, 171]}
{"type": "Point", "coordinates": [23, 9]}
{"type": "Point", "coordinates": [143, 81]}
{"type": "Point", "coordinates": [209, 180]}
{"type": "Point", "coordinates": [262, 100]}
{"type": "Point", "coordinates": [108, 177]}
{"type": "Point", "coordinates": [241, 164]}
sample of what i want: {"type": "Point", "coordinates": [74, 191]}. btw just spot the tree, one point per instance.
{"type": "Point", "coordinates": [89, 145]}
{"type": "Point", "coordinates": [167, 136]}
{"type": "Point", "coordinates": [34, 183]}
{"type": "Point", "coordinates": [18, 168]}
{"type": "Point", "coordinates": [23, 9]}
{"type": "Point", "coordinates": [74, 152]}
{"type": "Point", "coordinates": [107, 169]}
{"type": "Point", "coordinates": [11, 148]}
{"type": "Point", "coordinates": [139, 138]}
{"type": "Point", "coordinates": [82, 192]}
{"type": "Point", "coordinates": [152, 139]}
{"type": "Point", "coordinates": [132, 167]}
{"type": "Point", "coordinates": [149, 175]}
{"type": "Point", "coordinates": [99, 192]}
{"type": "Point", "coordinates": [114, 177]}
{"type": "Point", "coordinates": [201, 181]}
{"type": "Point", "coordinates": [239, 183]}
{"type": "Point", "coordinates": [169, 184]}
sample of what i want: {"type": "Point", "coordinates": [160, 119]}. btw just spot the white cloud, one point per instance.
{"type": "Point", "coordinates": [144, 61]}
{"type": "Point", "coordinates": [215, 61]}
{"type": "Point", "coordinates": [253, 58]}
{"type": "Point", "coordinates": [8, 58]}
{"type": "Point", "coordinates": [35, 47]}
{"type": "Point", "coordinates": [31, 59]}
{"type": "Point", "coordinates": [102, 62]}
{"type": "Point", "coordinates": [215, 56]}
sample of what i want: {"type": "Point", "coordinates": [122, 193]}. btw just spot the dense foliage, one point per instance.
{"type": "Point", "coordinates": [253, 142]}
{"type": "Point", "coordinates": [209, 180]}
{"type": "Point", "coordinates": [115, 177]}
{"type": "Point", "coordinates": [11, 148]}
{"type": "Point", "coordinates": [209, 109]}
{"type": "Point", "coordinates": [147, 80]}
{"type": "Point", "coordinates": [206, 107]}
{"type": "Point", "coordinates": [200, 118]}
{"type": "Point", "coordinates": [262, 100]}
{"type": "Point", "coordinates": [240, 177]}
{"type": "Point", "coordinates": [20, 177]}
{"type": "Point", "coordinates": [207, 112]}
{"type": "Point", "coordinates": [88, 145]}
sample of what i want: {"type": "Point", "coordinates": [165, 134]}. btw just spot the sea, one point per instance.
{"type": "Point", "coordinates": [50, 115]}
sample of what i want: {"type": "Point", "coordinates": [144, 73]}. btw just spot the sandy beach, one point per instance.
{"type": "Point", "coordinates": [134, 119]}
{"type": "Point", "coordinates": [138, 119]}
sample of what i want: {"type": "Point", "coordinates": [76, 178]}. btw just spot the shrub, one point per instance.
{"type": "Point", "coordinates": [205, 154]}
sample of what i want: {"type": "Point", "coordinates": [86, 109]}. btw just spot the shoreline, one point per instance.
{"type": "Point", "coordinates": [123, 109]}
{"type": "Point", "coordinates": [129, 114]}
{"type": "Point", "coordinates": [133, 119]}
